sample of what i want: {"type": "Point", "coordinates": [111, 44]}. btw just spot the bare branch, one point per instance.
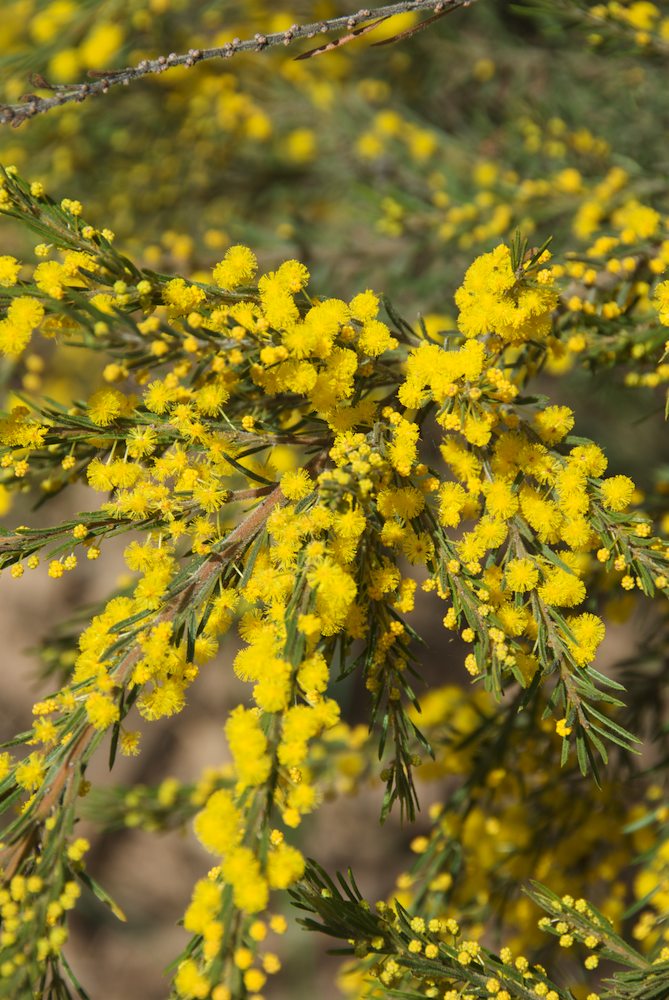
{"type": "Point", "coordinates": [101, 83]}
{"type": "Point", "coordinates": [410, 32]}
{"type": "Point", "coordinates": [337, 43]}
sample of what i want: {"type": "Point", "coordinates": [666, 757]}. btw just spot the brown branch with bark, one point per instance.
{"type": "Point", "coordinates": [353, 24]}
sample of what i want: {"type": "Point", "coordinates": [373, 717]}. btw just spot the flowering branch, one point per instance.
{"type": "Point", "coordinates": [68, 773]}
{"type": "Point", "coordinates": [32, 105]}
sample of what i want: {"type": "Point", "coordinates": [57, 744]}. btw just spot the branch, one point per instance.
{"type": "Point", "coordinates": [32, 105]}
{"type": "Point", "coordinates": [67, 775]}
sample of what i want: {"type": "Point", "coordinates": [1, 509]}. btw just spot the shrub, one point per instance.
{"type": "Point", "coordinates": [318, 471]}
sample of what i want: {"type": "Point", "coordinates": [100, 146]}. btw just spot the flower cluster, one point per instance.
{"type": "Point", "coordinates": [330, 480]}
{"type": "Point", "coordinates": [271, 448]}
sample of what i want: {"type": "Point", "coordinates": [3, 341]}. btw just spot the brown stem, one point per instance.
{"type": "Point", "coordinates": [32, 105]}
{"type": "Point", "coordinates": [63, 777]}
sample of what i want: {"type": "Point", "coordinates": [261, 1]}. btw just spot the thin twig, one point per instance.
{"type": "Point", "coordinates": [421, 26]}
{"type": "Point", "coordinates": [337, 43]}
{"type": "Point", "coordinates": [33, 105]}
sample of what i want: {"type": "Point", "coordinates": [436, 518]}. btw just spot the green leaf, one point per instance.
{"type": "Point", "coordinates": [101, 894]}
{"type": "Point", "coordinates": [256, 477]}
{"type": "Point", "coordinates": [604, 680]}
{"type": "Point", "coordinates": [611, 725]}
{"type": "Point", "coordinates": [581, 752]}
{"type": "Point", "coordinates": [81, 992]}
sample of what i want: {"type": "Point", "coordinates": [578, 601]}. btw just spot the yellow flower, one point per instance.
{"type": "Point", "coordinates": [189, 981]}
{"type": "Point", "coordinates": [588, 631]}
{"type": "Point", "coordinates": [375, 338]}
{"type": "Point", "coordinates": [100, 45]}
{"type": "Point", "coordinates": [248, 746]}
{"type": "Point", "coordinates": [521, 575]}
{"type": "Point", "coordinates": [30, 772]}
{"type": "Point", "coordinates": [617, 492]}
{"type": "Point", "coordinates": [181, 297]}
{"type": "Point", "coordinates": [129, 743]}
{"type": "Point", "coordinates": [105, 406]}
{"type": "Point", "coordinates": [241, 870]}
{"type": "Point", "coordinates": [296, 485]}
{"type": "Point", "coordinates": [285, 865]}
{"type": "Point", "coordinates": [554, 423]}
{"type": "Point", "coordinates": [292, 275]}
{"type": "Point", "coordinates": [364, 306]}
{"type": "Point", "coordinates": [561, 728]}
{"type": "Point", "coordinates": [492, 299]}
{"type": "Point", "coordinates": [238, 267]}
{"type": "Point", "coordinates": [50, 277]}
{"type": "Point", "coordinates": [101, 711]}
{"type": "Point", "coordinates": [501, 501]}
{"type": "Point", "coordinates": [254, 980]}
{"type": "Point", "coordinates": [219, 825]}
{"type": "Point", "coordinates": [562, 588]}
{"type": "Point", "coordinates": [9, 270]}
{"type": "Point", "coordinates": [78, 848]}
{"type": "Point", "coordinates": [204, 906]}
{"type": "Point", "coordinates": [5, 765]}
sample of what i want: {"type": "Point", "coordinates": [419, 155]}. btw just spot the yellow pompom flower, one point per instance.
{"type": "Point", "coordinates": [285, 865]}
{"type": "Point", "coordinates": [105, 406]}
{"type": "Point", "coordinates": [9, 270]}
{"type": "Point", "coordinates": [661, 302]}
{"type": "Point", "coordinates": [189, 981]}
{"type": "Point", "coordinates": [588, 631]}
{"type": "Point", "coordinates": [562, 588]}
{"type": "Point", "coordinates": [50, 277]}
{"type": "Point", "coordinates": [554, 423]}
{"type": "Point", "coordinates": [271, 693]}
{"type": "Point", "coordinates": [293, 276]}
{"type": "Point", "coordinates": [254, 980]}
{"type": "Point", "coordinates": [296, 485]}
{"type": "Point", "coordinates": [492, 299]}
{"type": "Point", "coordinates": [617, 492]}
{"type": "Point", "coordinates": [521, 575]}
{"type": "Point", "coordinates": [375, 338]}
{"type": "Point", "coordinates": [219, 825]}
{"type": "Point", "coordinates": [589, 458]}
{"type": "Point", "coordinates": [204, 906]}
{"type": "Point", "coordinates": [241, 870]}
{"type": "Point", "coordinates": [501, 502]}
{"type": "Point", "coordinates": [129, 743]}
{"type": "Point", "coordinates": [452, 500]}
{"type": "Point", "coordinates": [181, 297]}
{"type": "Point", "coordinates": [364, 306]}
{"type": "Point", "coordinates": [248, 745]}
{"type": "Point", "coordinates": [78, 849]}
{"type": "Point", "coordinates": [100, 45]}
{"type": "Point", "coordinates": [238, 267]}
{"type": "Point", "coordinates": [101, 711]}
{"type": "Point", "coordinates": [30, 772]}
{"type": "Point", "coordinates": [561, 728]}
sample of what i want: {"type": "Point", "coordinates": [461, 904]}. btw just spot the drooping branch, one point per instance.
{"type": "Point", "coordinates": [32, 105]}
{"type": "Point", "coordinates": [68, 773]}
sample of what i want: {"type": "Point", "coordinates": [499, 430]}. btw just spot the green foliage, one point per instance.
{"type": "Point", "coordinates": [370, 486]}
